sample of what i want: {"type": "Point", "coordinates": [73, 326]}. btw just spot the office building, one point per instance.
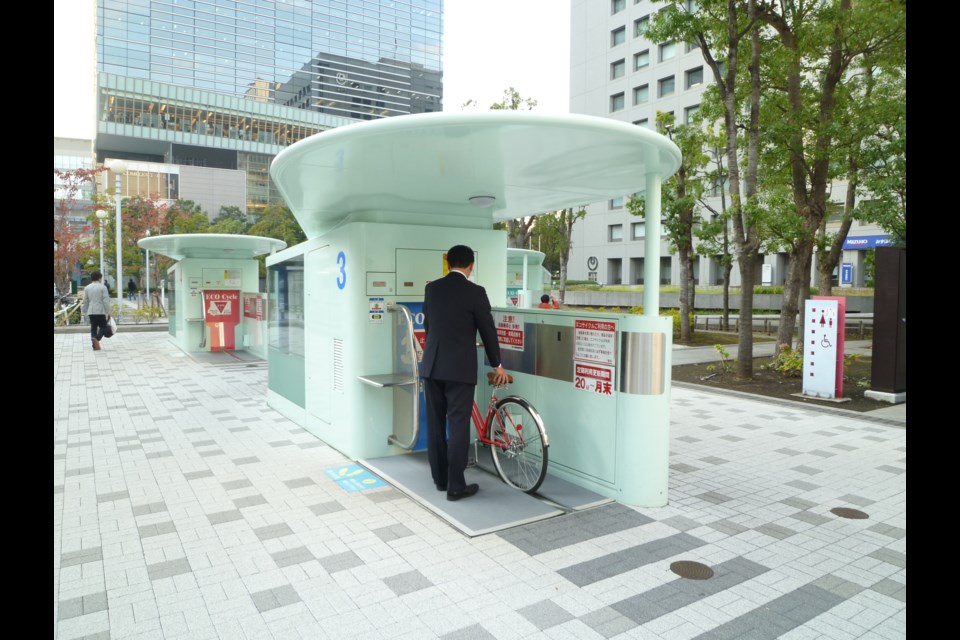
{"type": "Point", "coordinates": [207, 92]}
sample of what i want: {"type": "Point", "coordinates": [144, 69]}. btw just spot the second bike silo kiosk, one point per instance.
{"type": "Point", "coordinates": [525, 277]}
{"type": "Point", "coordinates": [382, 201]}
{"type": "Point", "coordinates": [213, 293]}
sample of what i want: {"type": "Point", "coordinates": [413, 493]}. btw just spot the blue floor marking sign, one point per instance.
{"type": "Point", "coordinates": [354, 478]}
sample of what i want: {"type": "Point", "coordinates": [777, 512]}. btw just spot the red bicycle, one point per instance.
{"type": "Point", "coordinates": [517, 439]}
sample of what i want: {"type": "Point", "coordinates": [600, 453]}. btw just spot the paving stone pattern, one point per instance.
{"type": "Point", "coordinates": [186, 508]}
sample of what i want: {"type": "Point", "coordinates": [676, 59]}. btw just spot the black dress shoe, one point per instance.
{"type": "Point", "coordinates": [441, 487]}
{"type": "Point", "coordinates": [468, 491]}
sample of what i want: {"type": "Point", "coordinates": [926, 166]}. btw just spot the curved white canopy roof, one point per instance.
{"type": "Point", "coordinates": [424, 168]}
{"type": "Point", "coordinates": [211, 245]}
{"type": "Point", "coordinates": [516, 256]}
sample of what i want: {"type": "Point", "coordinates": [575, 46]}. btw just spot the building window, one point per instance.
{"type": "Point", "coordinates": [689, 112]}
{"type": "Point", "coordinates": [615, 203]}
{"type": "Point", "coordinates": [636, 231]}
{"type": "Point", "coordinates": [667, 50]}
{"type": "Point", "coordinates": [665, 86]}
{"type": "Point", "coordinates": [617, 69]}
{"type": "Point", "coordinates": [618, 36]}
{"type": "Point", "coordinates": [643, 122]}
{"type": "Point", "coordinates": [615, 233]}
{"type": "Point", "coordinates": [691, 46]}
{"type": "Point", "coordinates": [694, 77]}
{"type": "Point", "coordinates": [616, 6]}
{"type": "Point", "coordinates": [692, 6]}
{"type": "Point", "coordinates": [641, 60]}
{"type": "Point", "coordinates": [641, 94]}
{"type": "Point", "coordinates": [640, 26]}
{"type": "Point", "coordinates": [616, 102]}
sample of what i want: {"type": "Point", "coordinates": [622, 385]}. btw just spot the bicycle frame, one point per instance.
{"type": "Point", "coordinates": [480, 422]}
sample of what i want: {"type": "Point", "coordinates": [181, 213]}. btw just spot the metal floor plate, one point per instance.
{"type": "Point", "coordinates": [494, 508]}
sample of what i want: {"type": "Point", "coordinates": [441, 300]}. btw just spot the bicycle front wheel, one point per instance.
{"type": "Point", "coordinates": [519, 443]}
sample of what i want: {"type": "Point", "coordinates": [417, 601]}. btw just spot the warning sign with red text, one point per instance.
{"type": "Point", "coordinates": [509, 331]}
{"type": "Point", "coordinates": [595, 341]}
{"type": "Point", "coordinates": [595, 378]}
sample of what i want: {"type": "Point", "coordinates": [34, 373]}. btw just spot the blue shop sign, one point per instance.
{"type": "Point", "coordinates": [860, 243]}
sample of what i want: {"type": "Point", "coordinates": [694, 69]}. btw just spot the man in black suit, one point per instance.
{"type": "Point", "coordinates": [454, 310]}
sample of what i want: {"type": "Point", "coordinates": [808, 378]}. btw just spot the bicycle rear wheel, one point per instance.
{"type": "Point", "coordinates": [519, 447]}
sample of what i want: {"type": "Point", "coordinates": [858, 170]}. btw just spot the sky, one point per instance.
{"type": "Point", "coordinates": [489, 45]}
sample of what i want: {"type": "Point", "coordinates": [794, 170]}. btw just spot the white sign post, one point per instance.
{"type": "Point", "coordinates": [820, 342]}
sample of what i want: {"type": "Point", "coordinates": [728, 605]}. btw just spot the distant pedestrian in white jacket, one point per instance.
{"type": "Point", "coordinates": [96, 306]}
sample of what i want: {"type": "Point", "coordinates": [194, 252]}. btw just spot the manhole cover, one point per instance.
{"type": "Point", "coordinates": [691, 570]}
{"type": "Point", "coordinates": [845, 512]}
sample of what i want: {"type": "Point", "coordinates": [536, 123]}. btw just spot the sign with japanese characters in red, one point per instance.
{"type": "Point", "coordinates": [253, 306]}
{"type": "Point", "coordinates": [595, 341]}
{"type": "Point", "coordinates": [595, 378]}
{"type": "Point", "coordinates": [509, 331]}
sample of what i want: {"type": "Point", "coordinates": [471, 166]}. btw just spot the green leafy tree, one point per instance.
{"type": "Point", "coordinates": [555, 231]}
{"type": "Point", "coordinates": [713, 235]}
{"type": "Point", "coordinates": [231, 213]}
{"type": "Point", "coordinates": [679, 197]}
{"type": "Point", "coordinates": [185, 216]}
{"type": "Point", "coordinates": [725, 31]}
{"type": "Point", "coordinates": [883, 158]}
{"type": "Point", "coordinates": [227, 225]}
{"type": "Point", "coordinates": [815, 47]}
{"type": "Point", "coordinates": [277, 221]}
{"type": "Point", "coordinates": [519, 230]}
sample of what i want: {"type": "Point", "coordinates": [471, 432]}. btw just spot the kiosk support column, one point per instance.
{"type": "Point", "coordinates": [651, 247]}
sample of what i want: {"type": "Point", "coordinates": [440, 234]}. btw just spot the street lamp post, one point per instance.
{"type": "Point", "coordinates": [119, 167]}
{"type": "Point", "coordinates": [148, 272]}
{"type": "Point", "coordinates": [102, 217]}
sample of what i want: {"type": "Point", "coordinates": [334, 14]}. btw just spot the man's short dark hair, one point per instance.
{"type": "Point", "coordinates": [544, 298]}
{"type": "Point", "coordinates": [95, 276]}
{"type": "Point", "coordinates": [459, 257]}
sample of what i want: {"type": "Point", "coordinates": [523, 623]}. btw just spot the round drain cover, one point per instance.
{"type": "Point", "coordinates": [691, 570]}
{"type": "Point", "coordinates": [845, 512]}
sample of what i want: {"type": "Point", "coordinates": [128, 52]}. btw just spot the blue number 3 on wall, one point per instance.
{"type": "Point", "coordinates": [342, 278]}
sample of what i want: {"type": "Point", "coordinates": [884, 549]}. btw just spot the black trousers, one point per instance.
{"type": "Point", "coordinates": [449, 405]}
{"type": "Point", "coordinates": [98, 324]}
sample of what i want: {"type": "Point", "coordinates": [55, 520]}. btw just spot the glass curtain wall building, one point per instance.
{"type": "Point", "coordinates": [227, 84]}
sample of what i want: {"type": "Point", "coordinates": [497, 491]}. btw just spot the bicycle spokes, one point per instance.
{"type": "Point", "coordinates": [519, 451]}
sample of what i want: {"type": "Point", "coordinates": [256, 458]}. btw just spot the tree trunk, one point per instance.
{"type": "Point", "coordinates": [748, 268]}
{"type": "Point", "coordinates": [685, 293]}
{"type": "Point", "coordinates": [727, 270]}
{"type": "Point", "coordinates": [826, 266]}
{"type": "Point", "coordinates": [792, 287]}
{"type": "Point", "coordinates": [801, 302]}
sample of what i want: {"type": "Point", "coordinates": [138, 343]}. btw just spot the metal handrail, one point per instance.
{"type": "Point", "coordinates": [414, 355]}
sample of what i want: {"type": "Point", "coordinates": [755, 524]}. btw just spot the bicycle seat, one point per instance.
{"type": "Point", "coordinates": [490, 375]}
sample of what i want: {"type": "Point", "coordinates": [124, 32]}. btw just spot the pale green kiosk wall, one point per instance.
{"type": "Point", "coordinates": [381, 202]}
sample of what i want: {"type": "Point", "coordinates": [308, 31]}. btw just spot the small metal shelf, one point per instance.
{"type": "Point", "coordinates": [388, 380]}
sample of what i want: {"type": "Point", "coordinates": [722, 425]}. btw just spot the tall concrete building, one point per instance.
{"type": "Point", "coordinates": [617, 72]}
{"type": "Point", "coordinates": [206, 92]}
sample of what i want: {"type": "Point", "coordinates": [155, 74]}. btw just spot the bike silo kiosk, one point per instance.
{"type": "Point", "coordinates": [213, 290]}
{"type": "Point", "coordinates": [382, 201]}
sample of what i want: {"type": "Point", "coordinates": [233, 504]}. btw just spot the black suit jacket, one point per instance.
{"type": "Point", "coordinates": [454, 311]}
